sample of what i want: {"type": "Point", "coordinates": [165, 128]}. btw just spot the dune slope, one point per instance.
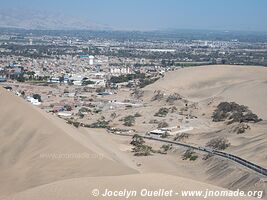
{"type": "Point", "coordinates": [244, 84]}
{"type": "Point", "coordinates": [28, 139]}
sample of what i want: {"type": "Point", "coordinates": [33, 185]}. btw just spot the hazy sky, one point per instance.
{"type": "Point", "coordinates": [159, 14]}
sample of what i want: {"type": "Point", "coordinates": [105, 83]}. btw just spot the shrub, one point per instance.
{"type": "Point", "coordinates": [137, 94]}
{"type": "Point", "coordinates": [128, 106]}
{"type": "Point", "coordinates": [154, 121]}
{"type": "Point", "coordinates": [88, 82]}
{"type": "Point", "coordinates": [181, 136]}
{"type": "Point", "coordinates": [76, 124]}
{"type": "Point", "coordinates": [140, 149]}
{"type": "Point", "coordinates": [101, 89]}
{"type": "Point", "coordinates": [84, 109]}
{"type": "Point", "coordinates": [67, 107]}
{"type": "Point", "coordinates": [163, 124]}
{"type": "Point", "coordinates": [193, 157]}
{"type": "Point", "coordinates": [219, 143]}
{"type": "Point", "coordinates": [162, 112]}
{"type": "Point", "coordinates": [113, 115]}
{"type": "Point", "coordinates": [240, 128]}
{"type": "Point", "coordinates": [158, 96]}
{"type": "Point", "coordinates": [234, 113]}
{"type": "Point", "coordinates": [173, 97]}
{"type": "Point", "coordinates": [137, 140]}
{"type": "Point", "coordinates": [129, 120]}
{"type": "Point", "coordinates": [188, 154]}
{"type": "Point", "coordinates": [147, 81]}
{"type": "Point", "coordinates": [166, 147]}
{"type": "Point", "coordinates": [99, 124]}
{"type": "Point", "coordinates": [137, 115]}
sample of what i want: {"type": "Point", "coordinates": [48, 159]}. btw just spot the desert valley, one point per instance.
{"type": "Point", "coordinates": [45, 156]}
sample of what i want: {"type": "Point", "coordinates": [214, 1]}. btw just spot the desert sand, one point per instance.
{"type": "Point", "coordinates": [28, 136]}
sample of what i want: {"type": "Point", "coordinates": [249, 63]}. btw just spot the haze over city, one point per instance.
{"type": "Point", "coordinates": [246, 15]}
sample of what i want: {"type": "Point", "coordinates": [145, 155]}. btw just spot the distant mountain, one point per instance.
{"type": "Point", "coordinates": [15, 18]}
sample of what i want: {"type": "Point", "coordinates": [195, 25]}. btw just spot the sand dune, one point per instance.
{"type": "Point", "coordinates": [85, 159]}
{"type": "Point", "coordinates": [82, 188]}
{"type": "Point", "coordinates": [28, 136]}
{"type": "Point", "coordinates": [244, 84]}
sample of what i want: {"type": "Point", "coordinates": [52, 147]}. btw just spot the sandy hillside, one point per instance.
{"type": "Point", "coordinates": [244, 84]}
{"type": "Point", "coordinates": [207, 86]}
{"type": "Point", "coordinates": [27, 135]}
{"type": "Point", "coordinates": [82, 188]}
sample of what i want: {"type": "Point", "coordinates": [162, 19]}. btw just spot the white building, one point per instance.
{"type": "Point", "coordinates": [91, 60]}
{"type": "Point", "coordinates": [116, 71]}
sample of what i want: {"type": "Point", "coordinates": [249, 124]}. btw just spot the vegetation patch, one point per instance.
{"type": "Point", "coordinates": [162, 112]}
{"type": "Point", "coordinates": [234, 112]}
{"type": "Point", "coordinates": [140, 148]}
{"type": "Point", "coordinates": [137, 93]}
{"type": "Point", "coordinates": [129, 120]}
{"type": "Point", "coordinates": [240, 128]}
{"type": "Point", "coordinates": [181, 136]}
{"type": "Point", "coordinates": [158, 96]}
{"type": "Point", "coordinates": [163, 124]}
{"type": "Point", "coordinates": [147, 81]}
{"type": "Point", "coordinates": [99, 124]}
{"type": "Point", "coordinates": [173, 97]}
{"type": "Point", "coordinates": [189, 154]}
{"type": "Point", "coordinates": [219, 143]}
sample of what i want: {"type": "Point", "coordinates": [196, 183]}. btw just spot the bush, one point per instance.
{"type": "Point", "coordinates": [166, 147]}
{"type": "Point", "coordinates": [240, 128]}
{"type": "Point", "coordinates": [189, 154]}
{"type": "Point", "coordinates": [137, 94]}
{"type": "Point", "coordinates": [140, 149]}
{"type": "Point", "coordinates": [74, 123]}
{"type": "Point", "coordinates": [113, 115]}
{"type": "Point", "coordinates": [193, 157]}
{"type": "Point", "coordinates": [101, 89]}
{"type": "Point", "coordinates": [234, 113]}
{"type": "Point", "coordinates": [129, 120]}
{"type": "Point", "coordinates": [218, 143]}
{"type": "Point", "coordinates": [137, 140]}
{"type": "Point", "coordinates": [181, 136]}
{"type": "Point", "coordinates": [88, 82]}
{"type": "Point", "coordinates": [173, 97]}
{"type": "Point", "coordinates": [67, 107]}
{"type": "Point", "coordinates": [162, 112]}
{"type": "Point", "coordinates": [99, 124]}
{"type": "Point", "coordinates": [158, 96]}
{"type": "Point", "coordinates": [137, 115]}
{"type": "Point", "coordinates": [147, 81]}
{"type": "Point", "coordinates": [163, 124]}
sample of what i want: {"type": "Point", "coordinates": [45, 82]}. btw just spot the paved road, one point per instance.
{"type": "Point", "coordinates": [228, 156]}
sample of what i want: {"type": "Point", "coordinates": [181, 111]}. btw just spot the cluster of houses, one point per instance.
{"type": "Point", "coordinates": [92, 79]}
{"type": "Point", "coordinates": [12, 71]}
